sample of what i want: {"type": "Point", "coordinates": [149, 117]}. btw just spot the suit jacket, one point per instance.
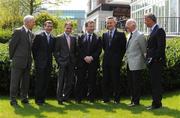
{"type": "Point", "coordinates": [63, 54]}
{"type": "Point", "coordinates": [20, 48]}
{"type": "Point", "coordinates": [135, 51]}
{"type": "Point", "coordinates": [94, 49]}
{"type": "Point", "coordinates": [156, 44]}
{"type": "Point", "coordinates": [42, 50]}
{"type": "Point", "coordinates": [113, 54]}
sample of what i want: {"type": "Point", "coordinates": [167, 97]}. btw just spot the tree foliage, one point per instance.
{"type": "Point", "coordinates": [44, 16]}
{"type": "Point", "coordinates": [12, 11]}
{"type": "Point", "coordinates": [10, 14]}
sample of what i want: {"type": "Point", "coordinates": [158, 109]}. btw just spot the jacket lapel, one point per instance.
{"type": "Point", "coordinates": [107, 38]}
{"type": "Point", "coordinates": [45, 38]}
{"type": "Point", "coordinates": [154, 30]}
{"type": "Point", "coordinates": [71, 41]}
{"type": "Point", "coordinates": [29, 40]}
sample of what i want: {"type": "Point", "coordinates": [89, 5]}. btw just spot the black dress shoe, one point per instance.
{"type": "Point", "coordinates": [116, 102]}
{"type": "Point", "coordinates": [60, 102]}
{"type": "Point", "coordinates": [132, 105]}
{"type": "Point", "coordinates": [153, 107]}
{"type": "Point", "coordinates": [78, 101]}
{"type": "Point", "coordinates": [106, 101]}
{"type": "Point", "coordinates": [39, 102]}
{"type": "Point", "coordinates": [25, 101]}
{"type": "Point", "coordinates": [91, 101]}
{"type": "Point", "coordinates": [13, 103]}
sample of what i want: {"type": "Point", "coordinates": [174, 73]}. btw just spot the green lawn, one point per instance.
{"type": "Point", "coordinates": [171, 109]}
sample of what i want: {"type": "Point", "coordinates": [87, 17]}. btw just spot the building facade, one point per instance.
{"type": "Point", "coordinates": [167, 12]}
{"type": "Point", "coordinates": [78, 15]}
{"type": "Point", "coordinates": [99, 10]}
{"type": "Point", "coordinates": [66, 10]}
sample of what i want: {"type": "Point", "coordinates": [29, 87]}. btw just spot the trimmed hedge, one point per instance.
{"type": "Point", "coordinates": [171, 73]}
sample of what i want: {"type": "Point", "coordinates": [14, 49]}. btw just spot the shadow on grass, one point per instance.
{"type": "Point", "coordinates": [85, 107]}
{"type": "Point", "coordinates": [164, 111]}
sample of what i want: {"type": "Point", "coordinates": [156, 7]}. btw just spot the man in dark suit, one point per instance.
{"type": "Point", "coordinates": [42, 49]}
{"type": "Point", "coordinates": [89, 49]}
{"type": "Point", "coordinates": [135, 58]}
{"type": "Point", "coordinates": [65, 47]}
{"type": "Point", "coordinates": [155, 58]}
{"type": "Point", "coordinates": [20, 54]}
{"type": "Point", "coordinates": [114, 46]}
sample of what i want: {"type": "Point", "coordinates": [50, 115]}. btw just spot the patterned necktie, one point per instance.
{"type": "Point", "coordinates": [68, 41]}
{"type": "Point", "coordinates": [29, 36]}
{"type": "Point", "coordinates": [129, 39]}
{"type": "Point", "coordinates": [48, 38]}
{"type": "Point", "coordinates": [88, 42]}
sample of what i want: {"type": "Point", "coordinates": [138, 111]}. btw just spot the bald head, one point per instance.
{"type": "Point", "coordinates": [130, 25]}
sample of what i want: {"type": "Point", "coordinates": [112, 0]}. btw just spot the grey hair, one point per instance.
{"type": "Point", "coordinates": [131, 21]}
{"type": "Point", "coordinates": [151, 16]}
{"type": "Point", "coordinates": [28, 18]}
{"type": "Point", "coordinates": [111, 17]}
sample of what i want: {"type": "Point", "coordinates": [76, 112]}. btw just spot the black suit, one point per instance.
{"type": "Point", "coordinates": [84, 49]}
{"type": "Point", "coordinates": [113, 55]}
{"type": "Point", "coordinates": [156, 53]}
{"type": "Point", "coordinates": [65, 58]}
{"type": "Point", "coordinates": [42, 53]}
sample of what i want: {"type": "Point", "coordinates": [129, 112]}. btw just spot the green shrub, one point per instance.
{"type": "Point", "coordinates": [172, 71]}
{"type": "Point", "coordinates": [4, 69]}
{"type": "Point", "coordinates": [5, 35]}
{"type": "Point", "coordinates": [171, 75]}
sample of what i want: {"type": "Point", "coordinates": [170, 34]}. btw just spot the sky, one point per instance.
{"type": "Point", "coordinates": [73, 5]}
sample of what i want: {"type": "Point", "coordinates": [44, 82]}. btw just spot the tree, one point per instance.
{"type": "Point", "coordinates": [12, 11]}
{"type": "Point", "coordinates": [10, 14]}
{"type": "Point", "coordinates": [29, 6]}
{"type": "Point", "coordinates": [44, 16]}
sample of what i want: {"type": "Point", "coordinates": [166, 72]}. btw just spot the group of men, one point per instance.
{"type": "Point", "coordinates": [84, 53]}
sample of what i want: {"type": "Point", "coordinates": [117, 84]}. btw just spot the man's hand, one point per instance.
{"type": "Point", "coordinates": [88, 59]}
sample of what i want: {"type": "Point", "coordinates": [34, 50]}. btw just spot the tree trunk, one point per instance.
{"type": "Point", "coordinates": [31, 7]}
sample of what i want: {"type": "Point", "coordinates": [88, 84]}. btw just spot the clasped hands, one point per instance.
{"type": "Point", "coordinates": [88, 59]}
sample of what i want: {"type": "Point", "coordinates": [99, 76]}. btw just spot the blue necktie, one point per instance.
{"type": "Point", "coordinates": [110, 37]}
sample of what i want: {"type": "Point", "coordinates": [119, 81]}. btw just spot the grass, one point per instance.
{"type": "Point", "coordinates": [171, 109]}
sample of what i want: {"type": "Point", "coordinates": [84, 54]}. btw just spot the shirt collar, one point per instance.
{"type": "Point", "coordinates": [134, 31]}
{"type": "Point", "coordinates": [112, 31]}
{"type": "Point", "coordinates": [153, 27]}
{"type": "Point", "coordinates": [66, 34]}
{"type": "Point", "coordinates": [26, 29]}
{"type": "Point", "coordinates": [47, 34]}
{"type": "Point", "coordinates": [88, 34]}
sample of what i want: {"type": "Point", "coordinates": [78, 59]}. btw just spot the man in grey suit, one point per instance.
{"type": "Point", "coordinates": [65, 48]}
{"type": "Point", "coordinates": [135, 57]}
{"type": "Point", "coordinates": [20, 55]}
